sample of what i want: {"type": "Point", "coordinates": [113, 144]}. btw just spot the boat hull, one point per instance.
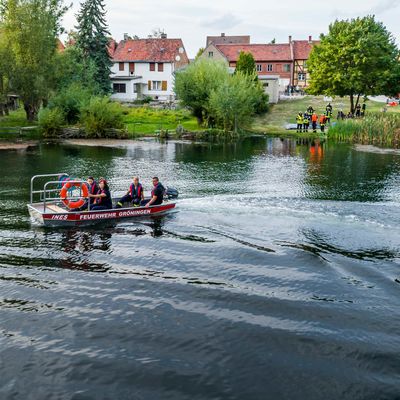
{"type": "Point", "coordinates": [65, 219]}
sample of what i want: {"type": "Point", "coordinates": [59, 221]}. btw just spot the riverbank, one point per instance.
{"type": "Point", "coordinates": [150, 122]}
{"type": "Point", "coordinates": [274, 123]}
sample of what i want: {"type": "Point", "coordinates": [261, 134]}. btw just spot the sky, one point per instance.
{"type": "Point", "coordinates": [262, 20]}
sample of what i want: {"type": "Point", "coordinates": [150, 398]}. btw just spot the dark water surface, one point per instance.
{"type": "Point", "coordinates": [278, 278]}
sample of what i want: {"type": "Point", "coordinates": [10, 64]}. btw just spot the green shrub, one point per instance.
{"type": "Point", "coordinates": [101, 115]}
{"type": "Point", "coordinates": [71, 100]}
{"type": "Point", "coordinates": [51, 121]}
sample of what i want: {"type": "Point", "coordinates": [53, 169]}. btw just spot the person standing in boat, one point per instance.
{"type": "Point", "coordinates": [102, 199]}
{"type": "Point", "coordinates": [135, 195]}
{"type": "Point", "coordinates": [157, 194]}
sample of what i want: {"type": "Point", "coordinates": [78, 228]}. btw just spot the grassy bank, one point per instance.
{"type": "Point", "coordinates": [285, 113]}
{"type": "Point", "coordinates": [147, 121]}
{"type": "Point", "coordinates": [375, 128]}
{"type": "Point", "coordinates": [10, 127]}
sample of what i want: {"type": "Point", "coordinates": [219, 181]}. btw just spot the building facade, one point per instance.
{"type": "Point", "coordinates": [145, 68]}
{"type": "Point", "coordinates": [279, 66]}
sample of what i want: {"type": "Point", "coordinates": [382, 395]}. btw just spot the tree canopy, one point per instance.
{"type": "Point", "coordinates": [218, 98]}
{"type": "Point", "coordinates": [246, 64]}
{"type": "Point", "coordinates": [29, 35]}
{"type": "Point", "coordinates": [358, 57]}
{"type": "Point", "coordinates": [93, 39]}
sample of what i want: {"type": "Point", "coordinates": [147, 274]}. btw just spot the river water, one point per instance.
{"type": "Point", "coordinates": [277, 278]}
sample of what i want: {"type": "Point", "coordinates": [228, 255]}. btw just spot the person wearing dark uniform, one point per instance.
{"type": "Point", "coordinates": [306, 122]}
{"type": "Point", "coordinates": [93, 189]}
{"type": "Point", "coordinates": [364, 108]}
{"type": "Point", "coordinates": [102, 198]}
{"type": "Point", "coordinates": [135, 194]}
{"type": "Point", "coordinates": [157, 194]}
{"type": "Point", "coordinates": [322, 122]}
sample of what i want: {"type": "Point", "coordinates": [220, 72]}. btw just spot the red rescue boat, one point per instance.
{"type": "Point", "coordinates": [51, 210]}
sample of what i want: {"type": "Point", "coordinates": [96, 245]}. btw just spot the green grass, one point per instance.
{"type": "Point", "coordinates": [147, 121]}
{"type": "Point", "coordinates": [10, 124]}
{"type": "Point", "coordinates": [15, 119]}
{"type": "Point", "coordinates": [285, 112]}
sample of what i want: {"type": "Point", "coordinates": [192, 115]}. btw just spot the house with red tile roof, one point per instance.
{"type": "Point", "coordinates": [146, 67]}
{"type": "Point", "coordinates": [279, 66]}
{"type": "Point", "coordinates": [301, 52]}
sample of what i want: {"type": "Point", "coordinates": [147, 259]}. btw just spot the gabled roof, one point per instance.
{"type": "Point", "coordinates": [302, 48]}
{"type": "Point", "coordinates": [223, 39]}
{"type": "Point", "coordinates": [260, 52]}
{"type": "Point", "coordinates": [151, 50]}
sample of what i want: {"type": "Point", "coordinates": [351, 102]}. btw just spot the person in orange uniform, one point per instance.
{"type": "Point", "coordinates": [314, 120]}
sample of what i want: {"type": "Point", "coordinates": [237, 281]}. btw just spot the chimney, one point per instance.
{"type": "Point", "coordinates": [310, 39]}
{"type": "Point", "coordinates": [126, 36]}
{"type": "Point", "coordinates": [222, 34]}
{"type": "Point", "coordinates": [290, 39]}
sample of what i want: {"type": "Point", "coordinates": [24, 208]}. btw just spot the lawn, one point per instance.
{"type": "Point", "coordinates": [145, 120]}
{"type": "Point", "coordinates": [9, 125]}
{"type": "Point", "coordinates": [285, 112]}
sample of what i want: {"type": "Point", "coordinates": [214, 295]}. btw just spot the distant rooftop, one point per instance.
{"type": "Point", "coordinates": [224, 39]}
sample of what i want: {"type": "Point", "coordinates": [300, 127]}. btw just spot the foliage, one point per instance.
{"type": "Point", "coordinates": [194, 85]}
{"type": "Point", "coordinates": [99, 115]}
{"type": "Point", "coordinates": [30, 30]}
{"type": "Point", "coordinates": [234, 101]}
{"type": "Point", "coordinates": [356, 58]}
{"type": "Point", "coordinates": [72, 69]}
{"type": "Point", "coordinates": [71, 100]}
{"type": "Point", "coordinates": [146, 120]}
{"type": "Point", "coordinates": [93, 39]}
{"type": "Point", "coordinates": [246, 64]}
{"type": "Point", "coordinates": [51, 121]}
{"type": "Point", "coordinates": [382, 129]}
{"type": "Point", "coordinates": [199, 53]}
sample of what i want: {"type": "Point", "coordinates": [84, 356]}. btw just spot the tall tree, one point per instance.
{"type": "Point", "coordinates": [356, 58]}
{"type": "Point", "coordinates": [30, 30]}
{"type": "Point", "coordinates": [93, 38]}
{"type": "Point", "coordinates": [246, 64]}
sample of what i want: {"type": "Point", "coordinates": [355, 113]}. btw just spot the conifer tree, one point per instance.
{"type": "Point", "coordinates": [93, 39]}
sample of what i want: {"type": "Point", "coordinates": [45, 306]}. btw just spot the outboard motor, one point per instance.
{"type": "Point", "coordinates": [171, 193]}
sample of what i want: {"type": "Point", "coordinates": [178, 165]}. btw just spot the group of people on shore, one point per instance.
{"type": "Point", "coordinates": [311, 118]}
{"type": "Point", "coordinates": [99, 197]}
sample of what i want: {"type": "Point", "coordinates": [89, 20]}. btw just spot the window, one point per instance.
{"type": "Point", "coordinates": [259, 67]}
{"type": "Point", "coordinates": [156, 85]}
{"type": "Point", "coordinates": [122, 66]}
{"type": "Point", "coordinates": [164, 86]}
{"type": "Point", "coordinates": [211, 54]}
{"type": "Point", "coordinates": [119, 87]}
{"type": "Point", "coordinates": [160, 67]}
{"type": "Point", "coordinates": [269, 68]}
{"type": "Point", "coordinates": [131, 68]}
{"type": "Point", "coordinates": [305, 63]}
{"type": "Point", "coordinates": [286, 67]}
{"type": "Point", "coordinates": [302, 76]}
{"type": "Point", "coordinates": [152, 66]}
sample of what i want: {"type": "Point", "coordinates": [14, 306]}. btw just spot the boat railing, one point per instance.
{"type": "Point", "coordinates": [46, 194]}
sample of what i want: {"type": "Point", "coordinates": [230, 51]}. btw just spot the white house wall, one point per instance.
{"type": "Point", "coordinates": [142, 71]}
